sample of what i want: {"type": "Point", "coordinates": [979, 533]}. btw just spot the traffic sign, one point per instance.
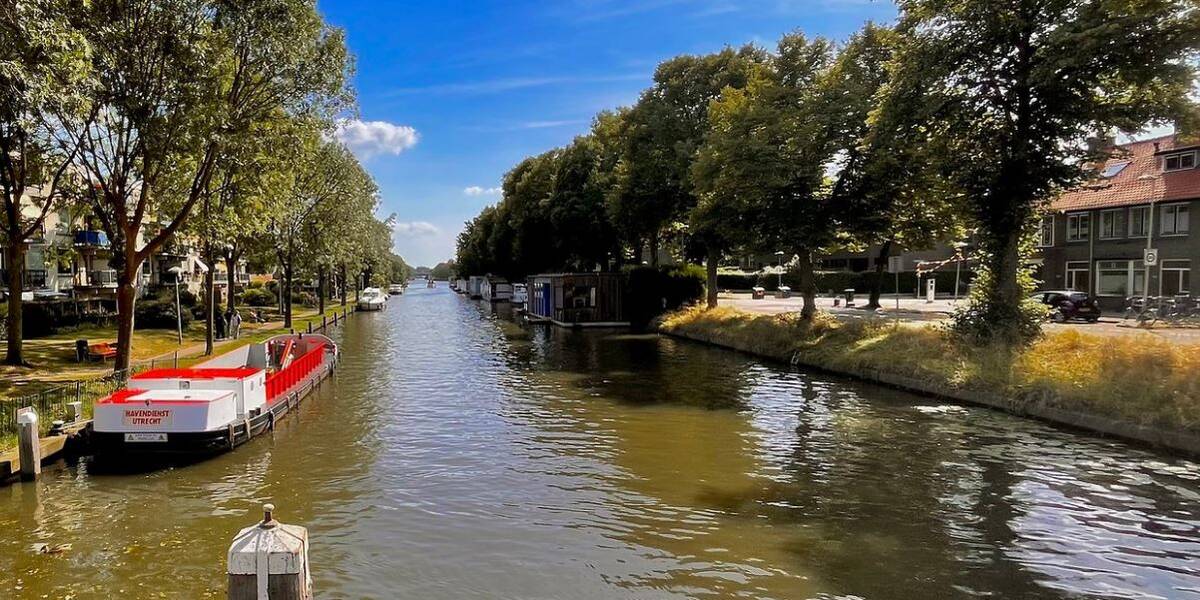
{"type": "Point", "coordinates": [895, 264]}
{"type": "Point", "coordinates": [1150, 257]}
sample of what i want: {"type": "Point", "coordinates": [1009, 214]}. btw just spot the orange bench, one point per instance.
{"type": "Point", "coordinates": [102, 351]}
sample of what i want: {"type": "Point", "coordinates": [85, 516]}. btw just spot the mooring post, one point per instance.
{"type": "Point", "coordinates": [324, 323]}
{"type": "Point", "coordinates": [310, 326]}
{"type": "Point", "coordinates": [30, 450]}
{"type": "Point", "coordinates": [76, 409]}
{"type": "Point", "coordinates": [269, 560]}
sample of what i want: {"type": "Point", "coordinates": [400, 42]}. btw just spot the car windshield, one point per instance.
{"type": "Point", "coordinates": [1079, 297]}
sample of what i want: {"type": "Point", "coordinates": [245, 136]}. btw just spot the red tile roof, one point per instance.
{"type": "Point", "coordinates": [1141, 182]}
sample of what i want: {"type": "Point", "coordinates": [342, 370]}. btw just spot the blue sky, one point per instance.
{"type": "Point", "coordinates": [453, 94]}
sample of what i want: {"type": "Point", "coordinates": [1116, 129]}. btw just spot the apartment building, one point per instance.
{"type": "Point", "coordinates": [1094, 237]}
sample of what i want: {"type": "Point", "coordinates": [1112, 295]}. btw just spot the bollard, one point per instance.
{"type": "Point", "coordinates": [30, 449]}
{"type": "Point", "coordinates": [76, 409]}
{"type": "Point", "coordinates": [310, 326]}
{"type": "Point", "coordinates": [324, 322]}
{"type": "Point", "coordinates": [270, 560]}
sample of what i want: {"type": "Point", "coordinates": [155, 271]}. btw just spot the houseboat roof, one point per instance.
{"type": "Point", "coordinates": [198, 373]}
{"type": "Point", "coordinates": [1134, 175]}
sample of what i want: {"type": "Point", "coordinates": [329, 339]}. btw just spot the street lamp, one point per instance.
{"type": "Point", "coordinates": [779, 256]}
{"type": "Point", "coordinates": [958, 248]}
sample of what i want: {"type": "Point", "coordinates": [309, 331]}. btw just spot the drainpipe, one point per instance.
{"type": "Point", "coordinates": [1093, 272]}
{"type": "Point", "coordinates": [1150, 246]}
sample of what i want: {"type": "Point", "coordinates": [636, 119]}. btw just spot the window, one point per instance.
{"type": "Point", "coordinates": [1114, 169]}
{"type": "Point", "coordinates": [1046, 232]}
{"type": "Point", "coordinates": [1180, 161]}
{"type": "Point", "coordinates": [1120, 277]}
{"type": "Point", "coordinates": [1079, 227]}
{"type": "Point", "coordinates": [1077, 276]}
{"type": "Point", "coordinates": [1112, 224]}
{"type": "Point", "coordinates": [1174, 219]}
{"type": "Point", "coordinates": [1176, 277]}
{"type": "Point", "coordinates": [1139, 221]}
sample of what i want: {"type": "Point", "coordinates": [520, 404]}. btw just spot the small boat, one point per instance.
{"type": "Point", "coordinates": [520, 295]}
{"type": "Point", "coordinates": [395, 289]}
{"type": "Point", "coordinates": [372, 299]}
{"type": "Point", "coordinates": [430, 283]}
{"type": "Point", "coordinates": [215, 406]}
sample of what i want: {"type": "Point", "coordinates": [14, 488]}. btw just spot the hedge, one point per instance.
{"type": "Point", "coordinates": [653, 291]}
{"type": "Point", "coordinates": [836, 281]}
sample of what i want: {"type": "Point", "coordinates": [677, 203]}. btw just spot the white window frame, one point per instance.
{"type": "Point", "coordinates": [1175, 268]}
{"type": "Point", "coordinates": [1135, 275]}
{"type": "Point", "coordinates": [1072, 270]}
{"type": "Point", "coordinates": [1117, 233]}
{"type": "Point", "coordinates": [1175, 229]}
{"type": "Point", "coordinates": [1045, 225]}
{"type": "Point", "coordinates": [1145, 212]}
{"type": "Point", "coordinates": [1179, 156]}
{"type": "Point", "coordinates": [1082, 233]}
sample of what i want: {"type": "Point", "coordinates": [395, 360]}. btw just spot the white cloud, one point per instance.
{"type": "Point", "coordinates": [416, 229]}
{"type": "Point", "coordinates": [369, 138]}
{"type": "Point", "coordinates": [480, 191]}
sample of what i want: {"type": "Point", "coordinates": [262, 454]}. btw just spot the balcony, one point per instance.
{"type": "Point", "coordinates": [106, 278]}
{"type": "Point", "coordinates": [33, 279]}
{"type": "Point", "coordinates": [91, 239]}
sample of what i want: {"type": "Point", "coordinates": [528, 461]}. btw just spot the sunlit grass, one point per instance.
{"type": "Point", "coordinates": [1139, 379]}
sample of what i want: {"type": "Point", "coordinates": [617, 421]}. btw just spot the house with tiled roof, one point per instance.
{"type": "Point", "coordinates": [1093, 237]}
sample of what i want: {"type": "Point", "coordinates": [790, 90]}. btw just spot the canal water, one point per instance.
{"type": "Point", "coordinates": [458, 454]}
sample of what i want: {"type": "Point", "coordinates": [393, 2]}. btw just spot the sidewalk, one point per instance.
{"type": "Point", "coordinates": [916, 310]}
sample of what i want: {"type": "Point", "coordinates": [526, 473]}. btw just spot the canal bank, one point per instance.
{"type": "Point", "coordinates": [1067, 378]}
{"type": "Point", "coordinates": [459, 454]}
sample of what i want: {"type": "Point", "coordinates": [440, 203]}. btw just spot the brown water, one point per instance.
{"type": "Point", "coordinates": [458, 455]}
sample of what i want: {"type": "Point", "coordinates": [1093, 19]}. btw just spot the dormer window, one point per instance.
{"type": "Point", "coordinates": [1179, 161]}
{"type": "Point", "coordinates": [1114, 169]}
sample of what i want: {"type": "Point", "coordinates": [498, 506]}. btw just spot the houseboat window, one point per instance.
{"type": "Point", "coordinates": [1079, 227]}
{"type": "Point", "coordinates": [1176, 277]}
{"type": "Point", "coordinates": [1114, 169]}
{"type": "Point", "coordinates": [1046, 232]}
{"type": "Point", "coordinates": [1119, 277]}
{"type": "Point", "coordinates": [1077, 276]}
{"type": "Point", "coordinates": [1174, 219]}
{"type": "Point", "coordinates": [1112, 224]}
{"type": "Point", "coordinates": [1139, 221]}
{"type": "Point", "coordinates": [1179, 162]}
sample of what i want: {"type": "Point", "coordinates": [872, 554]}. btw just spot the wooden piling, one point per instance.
{"type": "Point", "coordinates": [76, 409]}
{"type": "Point", "coordinates": [269, 560]}
{"type": "Point", "coordinates": [310, 326]}
{"type": "Point", "coordinates": [30, 448]}
{"type": "Point", "coordinates": [324, 322]}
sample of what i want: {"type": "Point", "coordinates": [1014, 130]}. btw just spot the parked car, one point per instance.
{"type": "Point", "coordinates": [1065, 305]}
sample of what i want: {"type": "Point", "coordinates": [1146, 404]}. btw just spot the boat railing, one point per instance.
{"type": "Point", "coordinates": [282, 380]}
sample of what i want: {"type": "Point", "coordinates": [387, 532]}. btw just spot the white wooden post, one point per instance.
{"type": "Point", "coordinates": [269, 560]}
{"type": "Point", "coordinates": [30, 449]}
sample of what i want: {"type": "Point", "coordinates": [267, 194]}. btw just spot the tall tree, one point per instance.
{"type": "Point", "coordinates": [43, 66]}
{"type": "Point", "coordinates": [1018, 87]}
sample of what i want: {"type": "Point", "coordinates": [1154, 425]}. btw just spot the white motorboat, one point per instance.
{"type": "Point", "coordinates": [395, 288]}
{"type": "Point", "coordinates": [372, 298]}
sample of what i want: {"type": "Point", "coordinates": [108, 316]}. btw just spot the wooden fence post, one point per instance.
{"type": "Point", "coordinates": [269, 560]}
{"type": "Point", "coordinates": [30, 449]}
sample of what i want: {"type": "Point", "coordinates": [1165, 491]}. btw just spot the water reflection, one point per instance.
{"type": "Point", "coordinates": [460, 454]}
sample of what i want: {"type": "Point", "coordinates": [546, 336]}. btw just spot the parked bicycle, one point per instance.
{"type": "Point", "coordinates": [1178, 311]}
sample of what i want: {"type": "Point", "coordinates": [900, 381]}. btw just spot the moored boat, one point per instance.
{"type": "Point", "coordinates": [214, 406]}
{"type": "Point", "coordinates": [372, 299]}
{"type": "Point", "coordinates": [395, 288]}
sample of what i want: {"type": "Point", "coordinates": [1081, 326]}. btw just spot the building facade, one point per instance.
{"type": "Point", "coordinates": [1093, 239]}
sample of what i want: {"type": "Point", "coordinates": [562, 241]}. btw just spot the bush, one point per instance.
{"type": "Point", "coordinates": [308, 299]}
{"type": "Point", "coordinates": [258, 296]}
{"type": "Point", "coordinates": [653, 291]}
{"type": "Point", "coordinates": [159, 314]}
{"type": "Point", "coordinates": [40, 320]}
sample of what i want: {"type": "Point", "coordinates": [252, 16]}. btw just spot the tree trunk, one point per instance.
{"type": "Point", "coordinates": [654, 249]}
{"type": "Point", "coordinates": [126, 300]}
{"type": "Point", "coordinates": [877, 283]}
{"type": "Point", "coordinates": [14, 255]}
{"type": "Point", "coordinates": [210, 295]}
{"type": "Point", "coordinates": [808, 288]}
{"type": "Point", "coordinates": [287, 292]}
{"type": "Point", "coordinates": [342, 280]}
{"type": "Point", "coordinates": [321, 288]}
{"type": "Point", "coordinates": [1005, 295]}
{"type": "Point", "coordinates": [710, 270]}
{"type": "Point", "coordinates": [231, 294]}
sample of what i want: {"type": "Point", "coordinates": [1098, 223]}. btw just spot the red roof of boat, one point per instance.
{"type": "Point", "coordinates": [200, 373]}
{"type": "Point", "coordinates": [120, 396]}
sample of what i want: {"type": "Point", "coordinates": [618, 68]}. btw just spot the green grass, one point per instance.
{"type": "Point", "coordinates": [1138, 379]}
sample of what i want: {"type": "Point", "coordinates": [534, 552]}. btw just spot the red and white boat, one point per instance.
{"type": "Point", "coordinates": [216, 405]}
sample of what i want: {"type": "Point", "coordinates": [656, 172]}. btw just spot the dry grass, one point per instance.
{"type": "Point", "coordinates": [1141, 380]}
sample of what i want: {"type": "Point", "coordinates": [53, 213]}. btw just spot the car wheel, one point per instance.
{"type": "Point", "coordinates": [1058, 317]}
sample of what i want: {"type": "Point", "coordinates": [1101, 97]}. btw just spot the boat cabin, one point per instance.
{"type": "Point", "coordinates": [496, 289]}
{"type": "Point", "coordinates": [578, 299]}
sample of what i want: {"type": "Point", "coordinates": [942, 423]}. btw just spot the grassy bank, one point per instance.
{"type": "Point", "coordinates": [1137, 380]}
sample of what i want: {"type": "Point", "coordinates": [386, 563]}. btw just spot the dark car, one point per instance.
{"type": "Point", "coordinates": [1066, 305]}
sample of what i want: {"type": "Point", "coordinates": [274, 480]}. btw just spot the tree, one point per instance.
{"type": "Point", "coordinates": [43, 65]}
{"type": "Point", "coordinates": [174, 79]}
{"type": "Point", "coordinates": [443, 270]}
{"type": "Point", "coordinates": [1016, 88]}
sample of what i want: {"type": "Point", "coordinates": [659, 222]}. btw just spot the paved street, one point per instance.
{"type": "Point", "coordinates": [918, 310]}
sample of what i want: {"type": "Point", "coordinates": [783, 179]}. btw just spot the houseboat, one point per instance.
{"type": "Point", "coordinates": [395, 288]}
{"type": "Point", "coordinates": [372, 299]}
{"type": "Point", "coordinates": [475, 287]}
{"type": "Point", "coordinates": [460, 286]}
{"type": "Point", "coordinates": [520, 295]}
{"type": "Point", "coordinates": [495, 289]}
{"type": "Point", "coordinates": [578, 299]}
{"type": "Point", "coordinates": [214, 406]}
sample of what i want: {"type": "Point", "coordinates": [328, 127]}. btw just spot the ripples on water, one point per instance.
{"type": "Point", "coordinates": [459, 455]}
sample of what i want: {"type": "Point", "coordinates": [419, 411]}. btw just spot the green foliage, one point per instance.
{"type": "Point", "coordinates": [655, 290]}
{"type": "Point", "coordinates": [159, 313]}
{"type": "Point", "coordinates": [443, 270]}
{"type": "Point", "coordinates": [259, 296]}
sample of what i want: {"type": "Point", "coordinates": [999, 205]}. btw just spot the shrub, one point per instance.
{"type": "Point", "coordinates": [39, 320]}
{"type": "Point", "coordinates": [159, 314]}
{"type": "Point", "coordinates": [653, 291]}
{"type": "Point", "coordinates": [258, 296]}
{"type": "Point", "coordinates": [308, 299]}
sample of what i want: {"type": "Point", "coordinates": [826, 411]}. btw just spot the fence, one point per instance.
{"type": "Point", "coordinates": [52, 403]}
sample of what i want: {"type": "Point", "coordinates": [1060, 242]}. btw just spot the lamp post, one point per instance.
{"type": "Point", "coordinates": [958, 248]}
{"type": "Point", "coordinates": [779, 255]}
{"type": "Point", "coordinates": [177, 272]}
